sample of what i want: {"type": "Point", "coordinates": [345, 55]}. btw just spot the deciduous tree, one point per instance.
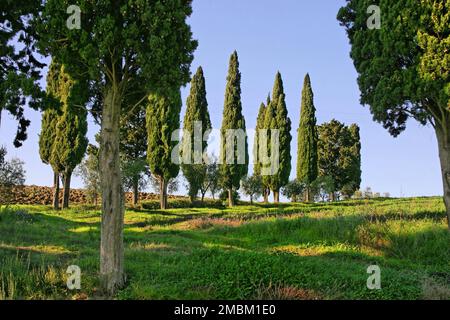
{"type": "Point", "coordinates": [403, 67]}
{"type": "Point", "coordinates": [19, 67]}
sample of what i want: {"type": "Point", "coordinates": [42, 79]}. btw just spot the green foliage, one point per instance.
{"type": "Point", "coordinates": [18, 64]}
{"type": "Point", "coordinates": [70, 143]}
{"type": "Point", "coordinates": [135, 174]}
{"type": "Point", "coordinates": [252, 186]}
{"type": "Point", "coordinates": [403, 66]}
{"type": "Point", "coordinates": [172, 185]}
{"type": "Point", "coordinates": [50, 116]}
{"type": "Point", "coordinates": [63, 142]}
{"type": "Point", "coordinates": [196, 112]}
{"type": "Point", "coordinates": [224, 196]}
{"type": "Point", "coordinates": [212, 179]}
{"type": "Point", "coordinates": [293, 190]}
{"type": "Point", "coordinates": [133, 149]}
{"type": "Point", "coordinates": [259, 125]}
{"type": "Point", "coordinates": [276, 117]}
{"type": "Point", "coordinates": [339, 151]}
{"type": "Point", "coordinates": [307, 167]}
{"type": "Point", "coordinates": [89, 172]}
{"type": "Point", "coordinates": [324, 187]}
{"type": "Point", "coordinates": [231, 173]}
{"type": "Point", "coordinates": [163, 118]}
{"type": "Point", "coordinates": [434, 40]}
{"type": "Point", "coordinates": [12, 172]}
{"type": "Point", "coordinates": [155, 49]}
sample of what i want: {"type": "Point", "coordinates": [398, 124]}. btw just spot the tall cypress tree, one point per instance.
{"type": "Point", "coordinates": [70, 142]}
{"type": "Point", "coordinates": [196, 115]}
{"type": "Point", "coordinates": [234, 164]}
{"type": "Point", "coordinates": [163, 118]}
{"type": "Point", "coordinates": [277, 119]}
{"type": "Point", "coordinates": [47, 136]}
{"type": "Point", "coordinates": [133, 150]}
{"type": "Point", "coordinates": [259, 126]}
{"type": "Point", "coordinates": [307, 165]}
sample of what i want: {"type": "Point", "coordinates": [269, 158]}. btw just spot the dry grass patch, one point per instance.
{"type": "Point", "coordinates": [433, 290]}
{"type": "Point", "coordinates": [283, 292]}
{"type": "Point", "coordinates": [152, 246]}
{"type": "Point", "coordinates": [206, 223]}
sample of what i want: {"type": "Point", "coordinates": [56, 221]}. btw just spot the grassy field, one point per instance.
{"type": "Point", "coordinates": [291, 251]}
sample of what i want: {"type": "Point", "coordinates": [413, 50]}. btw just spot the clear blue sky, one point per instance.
{"type": "Point", "coordinates": [294, 37]}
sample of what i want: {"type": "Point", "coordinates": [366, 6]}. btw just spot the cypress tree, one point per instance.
{"type": "Point", "coordinates": [70, 142]}
{"type": "Point", "coordinates": [124, 42]}
{"type": "Point", "coordinates": [196, 113]}
{"type": "Point", "coordinates": [133, 150]}
{"type": "Point", "coordinates": [163, 118]}
{"type": "Point", "coordinates": [47, 136]}
{"type": "Point", "coordinates": [234, 164]}
{"type": "Point", "coordinates": [259, 126]}
{"type": "Point", "coordinates": [277, 118]}
{"type": "Point", "coordinates": [307, 163]}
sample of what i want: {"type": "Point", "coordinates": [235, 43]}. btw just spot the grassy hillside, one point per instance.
{"type": "Point", "coordinates": [292, 251]}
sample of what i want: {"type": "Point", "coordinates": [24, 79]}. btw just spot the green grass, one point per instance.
{"type": "Point", "coordinates": [291, 251]}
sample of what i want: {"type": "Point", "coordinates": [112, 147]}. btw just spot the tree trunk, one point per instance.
{"type": "Point", "coordinates": [55, 191]}
{"type": "Point", "coordinates": [443, 138]}
{"type": "Point", "coordinates": [66, 189]}
{"type": "Point", "coordinates": [307, 195]}
{"type": "Point", "coordinates": [203, 196]}
{"type": "Point", "coordinates": [276, 196]}
{"type": "Point", "coordinates": [230, 198]}
{"type": "Point", "coordinates": [251, 199]}
{"type": "Point", "coordinates": [294, 198]}
{"type": "Point", "coordinates": [266, 196]}
{"type": "Point", "coordinates": [135, 193]}
{"type": "Point", "coordinates": [332, 197]}
{"type": "Point", "coordinates": [163, 193]}
{"type": "Point", "coordinates": [111, 248]}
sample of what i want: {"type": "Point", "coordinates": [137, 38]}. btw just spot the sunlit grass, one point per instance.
{"type": "Point", "coordinates": [249, 251]}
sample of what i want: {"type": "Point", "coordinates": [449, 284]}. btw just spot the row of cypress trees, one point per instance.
{"type": "Point", "coordinates": [63, 140]}
{"type": "Point", "coordinates": [272, 115]}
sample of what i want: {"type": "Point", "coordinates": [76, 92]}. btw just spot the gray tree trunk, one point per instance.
{"type": "Point", "coordinates": [135, 193]}
{"type": "Point", "coordinates": [111, 248]}
{"type": "Point", "coordinates": [332, 197]}
{"type": "Point", "coordinates": [163, 193]}
{"type": "Point", "coordinates": [230, 198]}
{"type": "Point", "coordinates": [66, 189]}
{"type": "Point", "coordinates": [443, 137]}
{"type": "Point", "coordinates": [266, 195]}
{"type": "Point", "coordinates": [203, 196]}
{"type": "Point", "coordinates": [276, 196]}
{"type": "Point", "coordinates": [55, 191]}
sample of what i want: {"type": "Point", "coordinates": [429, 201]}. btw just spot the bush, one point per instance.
{"type": "Point", "coordinates": [12, 174]}
{"type": "Point", "coordinates": [180, 203]}
{"type": "Point", "coordinates": [223, 196]}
